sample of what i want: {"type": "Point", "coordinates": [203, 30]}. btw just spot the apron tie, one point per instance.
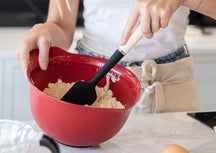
{"type": "Point", "coordinates": [153, 89]}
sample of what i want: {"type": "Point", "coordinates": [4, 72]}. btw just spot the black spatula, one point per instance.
{"type": "Point", "coordinates": [84, 92]}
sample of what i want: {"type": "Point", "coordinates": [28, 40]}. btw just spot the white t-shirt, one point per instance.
{"type": "Point", "coordinates": [105, 20]}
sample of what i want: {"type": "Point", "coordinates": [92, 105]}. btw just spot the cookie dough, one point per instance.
{"type": "Point", "coordinates": [104, 99]}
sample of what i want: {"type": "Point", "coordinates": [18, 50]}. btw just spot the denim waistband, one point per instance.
{"type": "Point", "coordinates": [171, 57]}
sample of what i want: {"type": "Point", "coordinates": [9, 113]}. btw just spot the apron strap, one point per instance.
{"type": "Point", "coordinates": [153, 88]}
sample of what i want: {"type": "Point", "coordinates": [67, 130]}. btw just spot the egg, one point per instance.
{"type": "Point", "coordinates": [173, 148]}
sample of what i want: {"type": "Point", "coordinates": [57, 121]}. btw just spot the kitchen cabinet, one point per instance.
{"type": "Point", "coordinates": [14, 88]}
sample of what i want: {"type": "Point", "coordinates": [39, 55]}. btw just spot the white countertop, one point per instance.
{"type": "Point", "coordinates": [150, 133]}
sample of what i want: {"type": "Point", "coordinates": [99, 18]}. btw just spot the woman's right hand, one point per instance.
{"type": "Point", "coordinates": [37, 38]}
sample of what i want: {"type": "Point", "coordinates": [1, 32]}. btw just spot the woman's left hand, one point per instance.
{"type": "Point", "coordinates": [151, 14]}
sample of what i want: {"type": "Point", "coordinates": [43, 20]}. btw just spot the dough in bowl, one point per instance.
{"type": "Point", "coordinates": [104, 99]}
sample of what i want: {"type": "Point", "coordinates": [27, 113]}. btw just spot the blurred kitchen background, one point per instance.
{"type": "Point", "coordinates": [17, 17]}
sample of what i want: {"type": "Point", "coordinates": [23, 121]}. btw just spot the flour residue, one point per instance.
{"type": "Point", "coordinates": [111, 77]}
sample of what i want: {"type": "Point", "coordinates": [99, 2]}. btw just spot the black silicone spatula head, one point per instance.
{"type": "Point", "coordinates": [84, 92]}
{"type": "Point", "coordinates": [81, 93]}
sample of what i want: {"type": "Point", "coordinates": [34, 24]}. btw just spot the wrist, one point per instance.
{"type": "Point", "coordinates": [59, 35]}
{"type": "Point", "coordinates": [52, 26]}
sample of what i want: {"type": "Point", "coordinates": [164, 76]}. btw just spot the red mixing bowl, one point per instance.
{"type": "Point", "coordinates": [72, 124]}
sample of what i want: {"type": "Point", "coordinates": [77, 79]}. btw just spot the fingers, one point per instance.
{"type": "Point", "coordinates": [154, 14]}
{"type": "Point", "coordinates": [37, 37]}
{"type": "Point", "coordinates": [164, 18]}
{"type": "Point", "coordinates": [146, 24]}
{"type": "Point", "coordinates": [44, 46]}
{"type": "Point", "coordinates": [155, 23]}
{"type": "Point", "coordinates": [22, 54]}
{"type": "Point", "coordinates": [132, 21]}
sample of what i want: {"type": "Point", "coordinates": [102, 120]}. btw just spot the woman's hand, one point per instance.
{"type": "Point", "coordinates": [58, 31]}
{"type": "Point", "coordinates": [151, 14]}
{"type": "Point", "coordinates": [38, 37]}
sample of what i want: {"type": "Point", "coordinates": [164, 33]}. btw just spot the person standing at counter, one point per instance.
{"type": "Point", "coordinates": [160, 59]}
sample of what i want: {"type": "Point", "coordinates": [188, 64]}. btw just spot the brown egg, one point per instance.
{"type": "Point", "coordinates": [173, 148]}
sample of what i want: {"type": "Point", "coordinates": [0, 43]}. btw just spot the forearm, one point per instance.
{"type": "Point", "coordinates": [207, 7]}
{"type": "Point", "coordinates": [62, 21]}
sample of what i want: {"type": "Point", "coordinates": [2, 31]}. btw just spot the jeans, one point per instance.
{"type": "Point", "coordinates": [172, 57]}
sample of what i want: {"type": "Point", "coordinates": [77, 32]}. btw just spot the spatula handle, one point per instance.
{"type": "Point", "coordinates": [118, 54]}
{"type": "Point", "coordinates": [134, 38]}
